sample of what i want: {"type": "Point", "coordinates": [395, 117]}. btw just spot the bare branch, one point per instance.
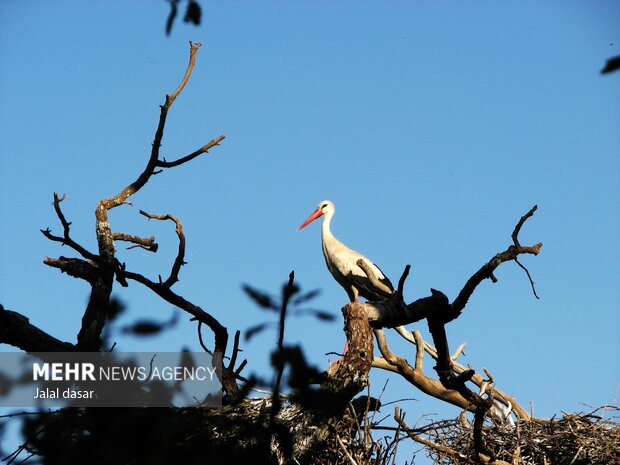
{"type": "Point", "coordinates": [487, 269]}
{"type": "Point", "coordinates": [221, 334]}
{"type": "Point", "coordinates": [146, 243]}
{"type": "Point", "coordinates": [457, 353]}
{"type": "Point", "coordinates": [75, 267]}
{"type": "Point", "coordinates": [393, 312]}
{"type": "Point", "coordinates": [515, 233]}
{"type": "Point", "coordinates": [202, 343]}
{"type": "Point", "coordinates": [529, 276]}
{"type": "Point", "coordinates": [179, 261]}
{"type": "Point", "coordinates": [419, 353]}
{"type": "Point", "coordinates": [401, 281]}
{"type": "Point", "coordinates": [441, 448]}
{"type": "Point", "coordinates": [66, 225]}
{"type": "Point", "coordinates": [16, 330]}
{"type": "Point", "coordinates": [430, 386]}
{"type": "Point", "coordinates": [192, 61]}
{"type": "Point", "coordinates": [163, 290]}
{"type": "Point", "coordinates": [154, 161]}
{"type": "Point", "coordinates": [191, 156]}
{"type": "Point", "coordinates": [233, 358]}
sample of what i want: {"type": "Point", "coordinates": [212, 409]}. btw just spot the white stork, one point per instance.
{"type": "Point", "coordinates": [342, 261]}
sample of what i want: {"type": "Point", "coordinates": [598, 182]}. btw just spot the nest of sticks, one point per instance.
{"type": "Point", "coordinates": [574, 439]}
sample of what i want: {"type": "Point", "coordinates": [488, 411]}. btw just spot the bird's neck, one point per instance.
{"type": "Point", "coordinates": [325, 227]}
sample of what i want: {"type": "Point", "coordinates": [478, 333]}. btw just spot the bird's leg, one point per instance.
{"type": "Point", "coordinates": [345, 350]}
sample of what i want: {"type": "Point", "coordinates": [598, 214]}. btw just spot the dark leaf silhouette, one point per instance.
{"type": "Point", "coordinates": [254, 330]}
{"type": "Point", "coordinates": [320, 314]}
{"type": "Point", "coordinates": [149, 327]}
{"type": "Point", "coordinates": [143, 328]}
{"type": "Point", "coordinates": [193, 13]}
{"type": "Point", "coordinates": [171, 16]}
{"type": "Point", "coordinates": [306, 297]}
{"type": "Point", "coordinates": [613, 64]}
{"type": "Point", "coordinates": [261, 298]}
{"type": "Point", "coordinates": [302, 373]}
{"type": "Point", "coordinates": [115, 308]}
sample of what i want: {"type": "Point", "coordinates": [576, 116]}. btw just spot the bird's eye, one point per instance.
{"type": "Point", "coordinates": [323, 206]}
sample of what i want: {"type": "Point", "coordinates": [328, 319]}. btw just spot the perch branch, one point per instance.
{"type": "Point", "coordinates": [393, 312]}
{"type": "Point", "coordinates": [438, 311]}
{"type": "Point", "coordinates": [348, 377]}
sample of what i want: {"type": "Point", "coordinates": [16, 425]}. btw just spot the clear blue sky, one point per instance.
{"type": "Point", "coordinates": [433, 126]}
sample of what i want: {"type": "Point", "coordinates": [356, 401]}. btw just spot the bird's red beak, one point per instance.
{"type": "Point", "coordinates": [317, 213]}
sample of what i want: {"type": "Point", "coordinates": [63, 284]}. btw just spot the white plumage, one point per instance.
{"type": "Point", "coordinates": [342, 261]}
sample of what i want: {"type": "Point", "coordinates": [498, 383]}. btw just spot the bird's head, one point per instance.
{"type": "Point", "coordinates": [326, 207]}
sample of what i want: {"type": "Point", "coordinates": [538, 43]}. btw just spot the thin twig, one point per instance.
{"type": "Point", "coordinates": [401, 281]}
{"type": "Point", "coordinates": [202, 344]}
{"type": "Point", "coordinates": [192, 61]}
{"type": "Point", "coordinates": [486, 271]}
{"type": "Point", "coordinates": [191, 156]}
{"type": "Point", "coordinates": [515, 233]}
{"type": "Point", "coordinates": [527, 272]}
{"type": "Point", "coordinates": [345, 451]}
{"type": "Point", "coordinates": [66, 225]}
{"type": "Point", "coordinates": [179, 260]}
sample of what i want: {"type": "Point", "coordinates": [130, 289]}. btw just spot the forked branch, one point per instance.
{"type": "Point", "coordinates": [438, 311]}
{"type": "Point", "coordinates": [486, 271]}
{"type": "Point", "coordinates": [100, 269]}
{"type": "Point", "coordinates": [66, 226]}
